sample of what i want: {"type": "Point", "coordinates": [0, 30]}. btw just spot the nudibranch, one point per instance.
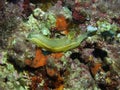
{"type": "Point", "coordinates": [57, 44]}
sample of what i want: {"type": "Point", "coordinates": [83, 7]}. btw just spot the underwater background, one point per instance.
{"type": "Point", "coordinates": [59, 45]}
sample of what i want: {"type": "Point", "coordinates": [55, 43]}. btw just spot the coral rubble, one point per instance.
{"type": "Point", "coordinates": [59, 45]}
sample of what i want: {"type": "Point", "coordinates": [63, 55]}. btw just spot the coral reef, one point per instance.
{"type": "Point", "coordinates": [9, 19]}
{"type": "Point", "coordinates": [59, 45]}
{"type": "Point", "coordinates": [10, 78]}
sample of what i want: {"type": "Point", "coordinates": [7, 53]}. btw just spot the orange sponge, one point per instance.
{"type": "Point", "coordinates": [61, 23]}
{"type": "Point", "coordinates": [39, 60]}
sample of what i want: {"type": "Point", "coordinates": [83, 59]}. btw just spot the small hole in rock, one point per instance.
{"type": "Point", "coordinates": [100, 53]}
{"type": "Point", "coordinates": [76, 55]}
{"type": "Point", "coordinates": [106, 68]}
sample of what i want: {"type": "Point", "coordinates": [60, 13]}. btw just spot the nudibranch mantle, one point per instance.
{"type": "Point", "coordinates": [57, 44]}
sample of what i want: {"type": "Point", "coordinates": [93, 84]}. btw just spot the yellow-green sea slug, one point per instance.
{"type": "Point", "coordinates": [57, 44]}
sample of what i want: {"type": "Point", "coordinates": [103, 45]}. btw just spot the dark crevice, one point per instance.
{"type": "Point", "coordinates": [99, 53]}
{"type": "Point", "coordinates": [77, 55]}
{"type": "Point", "coordinates": [102, 86]}
{"type": "Point", "coordinates": [106, 68]}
